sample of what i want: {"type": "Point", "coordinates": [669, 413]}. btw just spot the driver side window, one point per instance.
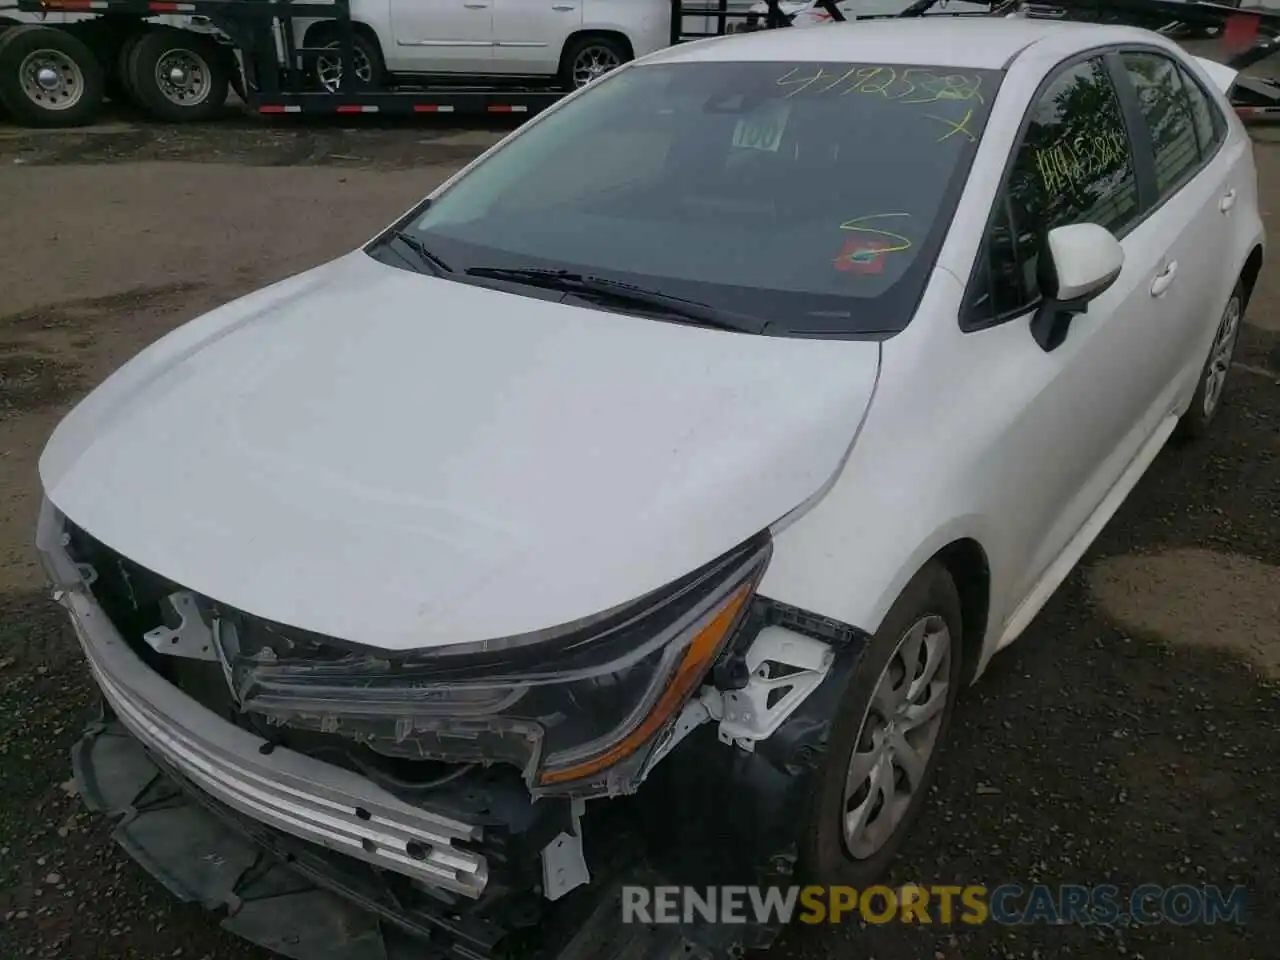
{"type": "Point", "coordinates": [1074, 165]}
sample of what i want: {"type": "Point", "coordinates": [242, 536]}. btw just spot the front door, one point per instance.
{"type": "Point", "coordinates": [1079, 413]}
{"type": "Point", "coordinates": [441, 36]}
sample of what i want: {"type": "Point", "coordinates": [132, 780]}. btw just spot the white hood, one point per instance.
{"type": "Point", "coordinates": [408, 462]}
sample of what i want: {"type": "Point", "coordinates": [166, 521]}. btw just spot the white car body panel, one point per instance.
{"type": "Point", "coordinates": [585, 457]}
{"type": "Point", "coordinates": [979, 489]}
{"type": "Point", "coordinates": [970, 436]}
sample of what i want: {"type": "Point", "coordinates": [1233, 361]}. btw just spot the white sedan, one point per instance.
{"type": "Point", "coordinates": [778, 412]}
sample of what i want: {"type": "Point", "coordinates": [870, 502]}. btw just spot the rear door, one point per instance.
{"type": "Point", "coordinates": [529, 35]}
{"type": "Point", "coordinates": [441, 36]}
{"type": "Point", "coordinates": [1196, 194]}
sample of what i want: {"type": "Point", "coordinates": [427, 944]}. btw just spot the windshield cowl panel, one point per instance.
{"type": "Point", "coordinates": [812, 197]}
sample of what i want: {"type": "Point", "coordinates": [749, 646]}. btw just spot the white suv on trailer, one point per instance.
{"type": "Point", "coordinates": [572, 41]}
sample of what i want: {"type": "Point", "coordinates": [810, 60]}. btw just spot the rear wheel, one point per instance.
{"type": "Point", "coordinates": [177, 75]}
{"type": "Point", "coordinates": [49, 78]}
{"type": "Point", "coordinates": [589, 58]}
{"type": "Point", "coordinates": [1213, 375]}
{"type": "Point", "coordinates": [327, 67]}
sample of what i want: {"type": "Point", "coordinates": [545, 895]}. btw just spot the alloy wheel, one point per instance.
{"type": "Point", "coordinates": [898, 735]}
{"type": "Point", "coordinates": [329, 68]}
{"type": "Point", "coordinates": [1224, 345]}
{"type": "Point", "coordinates": [592, 63]}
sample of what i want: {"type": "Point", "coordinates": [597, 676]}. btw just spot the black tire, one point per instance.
{"type": "Point", "coordinates": [237, 78]}
{"type": "Point", "coordinates": [367, 56]}
{"type": "Point", "coordinates": [603, 47]}
{"type": "Point", "coordinates": [81, 84]}
{"type": "Point", "coordinates": [825, 857]}
{"type": "Point", "coordinates": [1207, 401]}
{"type": "Point", "coordinates": [202, 66]}
{"type": "Point", "coordinates": [119, 87]}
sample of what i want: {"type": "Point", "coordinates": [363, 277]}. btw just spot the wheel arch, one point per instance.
{"type": "Point", "coordinates": [966, 562]}
{"type": "Point", "coordinates": [1252, 270]}
{"type": "Point", "coordinates": [597, 33]}
{"type": "Point", "coordinates": [885, 560]}
{"type": "Point", "coordinates": [321, 28]}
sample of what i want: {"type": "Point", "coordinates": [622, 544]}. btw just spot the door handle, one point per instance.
{"type": "Point", "coordinates": [1228, 201]}
{"type": "Point", "coordinates": [1163, 279]}
{"type": "Point", "coordinates": [475, 5]}
{"type": "Point", "coordinates": [563, 7]}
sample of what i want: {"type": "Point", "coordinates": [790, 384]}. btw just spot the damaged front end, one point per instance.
{"type": "Point", "coordinates": [578, 712]}
{"type": "Point", "coordinates": [460, 776]}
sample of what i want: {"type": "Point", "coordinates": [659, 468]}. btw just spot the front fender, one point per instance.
{"type": "Point", "coordinates": [917, 479]}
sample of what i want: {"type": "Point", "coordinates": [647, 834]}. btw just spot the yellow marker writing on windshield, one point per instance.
{"type": "Point", "coordinates": [859, 225]}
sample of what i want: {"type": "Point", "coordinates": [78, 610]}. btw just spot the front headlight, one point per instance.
{"type": "Point", "coordinates": [577, 711]}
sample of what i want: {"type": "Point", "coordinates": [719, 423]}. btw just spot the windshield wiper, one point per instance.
{"type": "Point", "coordinates": [421, 252]}
{"type": "Point", "coordinates": [620, 293]}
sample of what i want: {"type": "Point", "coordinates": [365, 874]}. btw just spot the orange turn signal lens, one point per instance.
{"type": "Point", "coordinates": [693, 666]}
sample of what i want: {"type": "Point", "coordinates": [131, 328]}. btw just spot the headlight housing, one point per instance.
{"type": "Point", "coordinates": [578, 710]}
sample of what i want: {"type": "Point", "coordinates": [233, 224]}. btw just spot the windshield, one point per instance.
{"type": "Point", "coordinates": [811, 196]}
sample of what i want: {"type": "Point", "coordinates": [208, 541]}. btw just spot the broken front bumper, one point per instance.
{"type": "Point", "coordinates": [306, 798]}
{"type": "Point", "coordinates": [727, 804]}
{"type": "Point", "coordinates": [308, 904]}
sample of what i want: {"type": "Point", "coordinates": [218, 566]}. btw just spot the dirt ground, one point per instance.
{"type": "Point", "coordinates": [1132, 736]}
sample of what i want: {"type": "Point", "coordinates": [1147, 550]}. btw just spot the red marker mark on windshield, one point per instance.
{"type": "Point", "coordinates": [860, 255]}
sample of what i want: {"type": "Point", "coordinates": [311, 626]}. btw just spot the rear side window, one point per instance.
{"type": "Point", "coordinates": [1210, 125]}
{"type": "Point", "coordinates": [1073, 165]}
{"type": "Point", "coordinates": [1167, 109]}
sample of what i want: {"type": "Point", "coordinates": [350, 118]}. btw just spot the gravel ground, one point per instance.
{"type": "Point", "coordinates": [1130, 737]}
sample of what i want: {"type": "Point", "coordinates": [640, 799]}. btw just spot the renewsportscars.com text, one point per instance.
{"type": "Point", "coordinates": [1106, 904]}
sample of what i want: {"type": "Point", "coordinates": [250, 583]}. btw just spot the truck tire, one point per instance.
{"type": "Point", "coordinates": [119, 87]}
{"type": "Point", "coordinates": [177, 75]}
{"type": "Point", "coordinates": [48, 78]}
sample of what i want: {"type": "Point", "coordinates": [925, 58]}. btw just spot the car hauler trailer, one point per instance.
{"type": "Point", "coordinates": [177, 60]}
{"type": "Point", "coordinates": [58, 74]}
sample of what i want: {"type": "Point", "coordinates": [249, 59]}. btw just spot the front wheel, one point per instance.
{"type": "Point", "coordinates": [589, 58]}
{"type": "Point", "coordinates": [887, 737]}
{"type": "Point", "coordinates": [1213, 375]}
{"type": "Point", "coordinates": [49, 78]}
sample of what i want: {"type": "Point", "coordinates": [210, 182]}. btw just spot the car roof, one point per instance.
{"type": "Point", "coordinates": [974, 42]}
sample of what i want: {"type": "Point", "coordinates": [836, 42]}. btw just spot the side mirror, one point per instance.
{"type": "Point", "coordinates": [1080, 262]}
